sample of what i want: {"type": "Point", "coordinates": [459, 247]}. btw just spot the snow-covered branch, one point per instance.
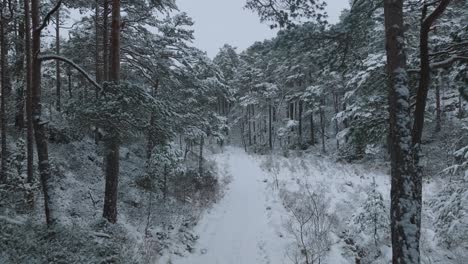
{"type": "Point", "coordinates": [45, 22]}
{"type": "Point", "coordinates": [74, 65]}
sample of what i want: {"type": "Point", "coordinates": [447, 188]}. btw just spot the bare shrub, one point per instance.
{"type": "Point", "coordinates": [309, 222]}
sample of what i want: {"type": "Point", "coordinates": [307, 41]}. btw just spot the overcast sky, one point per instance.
{"type": "Point", "coordinates": [226, 21]}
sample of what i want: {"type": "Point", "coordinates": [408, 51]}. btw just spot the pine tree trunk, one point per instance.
{"type": "Point", "coordinates": [249, 116]}
{"type": "Point", "coordinates": [113, 146]}
{"type": "Point", "coordinates": [405, 203]}
{"type": "Point", "coordinates": [39, 124]}
{"type": "Point", "coordinates": [312, 128]}
{"type": "Point", "coordinates": [96, 64]}
{"type": "Point", "coordinates": [438, 109]}
{"type": "Point", "coordinates": [151, 129]}
{"type": "Point", "coordinates": [336, 103]}
{"type": "Point", "coordinates": [58, 84]}
{"type": "Point", "coordinates": [70, 92]}
{"type": "Point", "coordinates": [425, 72]}
{"type": "Point", "coordinates": [461, 108]}
{"type": "Point", "coordinates": [322, 127]}
{"type": "Point", "coordinates": [105, 41]}
{"type": "Point", "coordinates": [29, 94]}
{"type": "Point", "coordinates": [270, 126]}
{"type": "Point", "coordinates": [300, 122]}
{"type": "Point", "coordinates": [97, 59]}
{"type": "Point", "coordinates": [19, 72]}
{"type": "Point", "coordinates": [5, 85]}
{"type": "Point", "coordinates": [200, 157]}
{"type": "Point", "coordinates": [165, 182]}
{"type": "Point", "coordinates": [112, 180]}
{"type": "Point", "coordinates": [254, 125]}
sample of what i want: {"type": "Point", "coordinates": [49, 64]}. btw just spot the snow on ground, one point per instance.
{"type": "Point", "coordinates": [238, 229]}
{"type": "Point", "coordinates": [248, 224]}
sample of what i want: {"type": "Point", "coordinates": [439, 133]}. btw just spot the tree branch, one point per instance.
{"type": "Point", "coordinates": [443, 64]}
{"type": "Point", "coordinates": [72, 64]}
{"type": "Point", "coordinates": [428, 21]}
{"type": "Point", "coordinates": [45, 22]}
{"type": "Point", "coordinates": [448, 62]}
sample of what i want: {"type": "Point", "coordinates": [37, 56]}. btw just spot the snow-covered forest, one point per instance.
{"type": "Point", "coordinates": [340, 143]}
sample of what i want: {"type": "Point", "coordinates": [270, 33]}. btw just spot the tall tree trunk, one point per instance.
{"type": "Point", "coordinates": [243, 131]}
{"type": "Point", "coordinates": [113, 146]}
{"type": "Point", "coordinates": [19, 72]}
{"type": "Point", "coordinates": [5, 86]}
{"type": "Point", "coordinates": [200, 157]}
{"type": "Point", "coordinates": [405, 203]}
{"type": "Point", "coordinates": [270, 126]}
{"type": "Point", "coordinates": [70, 92]}
{"type": "Point", "coordinates": [300, 121]}
{"type": "Point", "coordinates": [165, 183]}
{"type": "Point", "coordinates": [425, 73]}
{"type": "Point", "coordinates": [438, 108]}
{"type": "Point", "coordinates": [312, 128]}
{"type": "Point", "coordinates": [97, 58]}
{"type": "Point", "coordinates": [29, 94]}
{"type": "Point", "coordinates": [96, 63]}
{"type": "Point", "coordinates": [58, 84]}
{"type": "Point", "coordinates": [461, 108]}
{"type": "Point", "coordinates": [39, 124]}
{"type": "Point", "coordinates": [336, 106]}
{"type": "Point", "coordinates": [322, 127]}
{"type": "Point", "coordinates": [254, 125]}
{"type": "Point", "coordinates": [249, 117]}
{"type": "Point", "coordinates": [151, 130]}
{"type": "Point", "coordinates": [105, 41]}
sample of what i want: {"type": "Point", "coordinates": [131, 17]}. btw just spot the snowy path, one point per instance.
{"type": "Point", "coordinates": [238, 230]}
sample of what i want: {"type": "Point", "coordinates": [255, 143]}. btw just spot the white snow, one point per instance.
{"type": "Point", "coordinates": [239, 228]}
{"type": "Point", "coordinates": [249, 224]}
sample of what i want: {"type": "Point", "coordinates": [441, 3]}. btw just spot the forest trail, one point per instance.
{"type": "Point", "coordinates": [238, 229]}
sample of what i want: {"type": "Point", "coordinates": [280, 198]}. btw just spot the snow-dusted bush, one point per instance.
{"type": "Point", "coordinates": [450, 208]}
{"type": "Point", "coordinates": [369, 228]}
{"type": "Point", "coordinates": [175, 175]}
{"type": "Point", "coordinates": [165, 163]}
{"type": "Point", "coordinates": [310, 222]}
{"type": "Point", "coordinates": [273, 166]}
{"type": "Point", "coordinates": [27, 242]}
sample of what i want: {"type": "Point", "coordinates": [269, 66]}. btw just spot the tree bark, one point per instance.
{"type": "Point", "coordinates": [270, 126]}
{"type": "Point", "coordinates": [438, 108]}
{"type": "Point", "coordinates": [58, 81]}
{"type": "Point", "coordinates": [249, 117]}
{"type": "Point", "coordinates": [312, 128]}
{"type": "Point", "coordinates": [425, 72]}
{"type": "Point", "coordinates": [29, 93]}
{"type": "Point", "coordinates": [405, 203]}
{"type": "Point", "coordinates": [200, 158]}
{"type": "Point", "coordinates": [19, 73]}
{"type": "Point", "coordinates": [336, 106]}
{"type": "Point", "coordinates": [39, 124]}
{"type": "Point", "coordinates": [97, 46]}
{"type": "Point", "coordinates": [5, 86]}
{"type": "Point", "coordinates": [151, 132]}
{"type": "Point", "coordinates": [322, 127]}
{"type": "Point", "coordinates": [69, 74]}
{"type": "Point", "coordinates": [105, 41]}
{"type": "Point", "coordinates": [300, 121]}
{"type": "Point", "coordinates": [113, 146]}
